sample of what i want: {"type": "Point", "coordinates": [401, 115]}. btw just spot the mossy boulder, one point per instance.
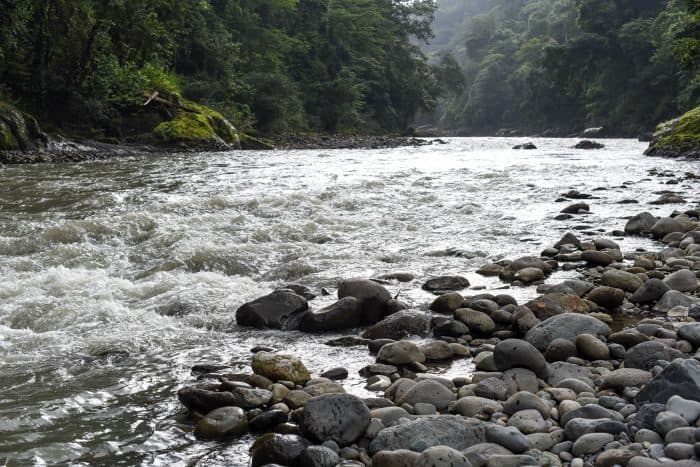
{"type": "Point", "coordinates": [678, 138]}
{"type": "Point", "coordinates": [18, 130]}
{"type": "Point", "coordinates": [199, 126]}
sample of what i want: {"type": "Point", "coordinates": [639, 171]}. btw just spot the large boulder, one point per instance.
{"type": "Point", "coordinates": [641, 223]}
{"type": "Point", "coordinates": [277, 449]}
{"type": "Point", "coordinates": [372, 296]}
{"type": "Point", "coordinates": [683, 280]}
{"type": "Point", "coordinates": [515, 353]}
{"type": "Point", "coordinates": [565, 326]}
{"type": "Point", "coordinates": [680, 378]}
{"type": "Point", "coordinates": [275, 310]}
{"type": "Point", "coordinates": [346, 313]}
{"type": "Point", "coordinates": [453, 431]}
{"type": "Point", "coordinates": [199, 126]}
{"type": "Point", "coordinates": [342, 418]}
{"type": "Point", "coordinates": [399, 326]}
{"type": "Point", "coordinates": [279, 367]}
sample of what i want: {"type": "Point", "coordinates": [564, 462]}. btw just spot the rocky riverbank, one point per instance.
{"type": "Point", "coordinates": [556, 381]}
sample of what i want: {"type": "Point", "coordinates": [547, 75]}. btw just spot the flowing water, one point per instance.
{"type": "Point", "coordinates": [117, 276]}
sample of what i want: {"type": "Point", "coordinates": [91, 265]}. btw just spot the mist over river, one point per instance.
{"type": "Point", "coordinates": [117, 276]}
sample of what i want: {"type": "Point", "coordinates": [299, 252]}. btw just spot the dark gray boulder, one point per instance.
{"type": "Point", "coordinates": [342, 418]}
{"type": "Point", "coordinates": [680, 378]}
{"type": "Point", "coordinates": [399, 326]}
{"type": "Point", "coordinates": [565, 326]}
{"type": "Point", "coordinates": [372, 296]}
{"type": "Point", "coordinates": [272, 311]}
{"type": "Point", "coordinates": [346, 313]}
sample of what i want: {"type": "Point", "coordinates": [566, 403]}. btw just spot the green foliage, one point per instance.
{"type": "Point", "coordinates": [268, 65]}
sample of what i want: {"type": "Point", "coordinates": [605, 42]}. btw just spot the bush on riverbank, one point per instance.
{"type": "Point", "coordinates": [678, 138]}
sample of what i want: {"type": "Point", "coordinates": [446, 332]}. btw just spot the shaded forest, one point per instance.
{"type": "Point", "coordinates": [557, 66]}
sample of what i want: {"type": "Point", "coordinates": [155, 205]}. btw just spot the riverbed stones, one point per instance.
{"type": "Point", "coordinates": [418, 435]}
{"type": "Point", "coordinates": [342, 418]}
{"type": "Point", "coordinates": [667, 225]}
{"type": "Point", "coordinates": [524, 400]}
{"type": "Point", "coordinates": [528, 421]}
{"type": "Point", "coordinates": [591, 443]}
{"type": "Point", "coordinates": [597, 258]}
{"type": "Point", "coordinates": [576, 208]}
{"type": "Point", "coordinates": [271, 311]}
{"type": "Point", "coordinates": [278, 449]}
{"type": "Point", "coordinates": [625, 377]}
{"type": "Point", "coordinates": [278, 367]}
{"type": "Point", "coordinates": [443, 284]}
{"type": "Point", "coordinates": [470, 406]}
{"type": "Point", "coordinates": [578, 427]}
{"type": "Point", "coordinates": [688, 409]}
{"type": "Point", "coordinates": [477, 321]}
{"type": "Point", "coordinates": [223, 422]}
{"type": "Point", "coordinates": [442, 456]}
{"type": "Point", "coordinates": [398, 458]}
{"type": "Point", "coordinates": [529, 275]}
{"type": "Point", "coordinates": [399, 326]}
{"type": "Point", "coordinates": [565, 326]}
{"type": "Point", "coordinates": [400, 353]}
{"type": "Point", "coordinates": [437, 351]}
{"type": "Point", "coordinates": [607, 297]}
{"type": "Point", "coordinates": [640, 223]}
{"type": "Point", "coordinates": [372, 296]}
{"type": "Point", "coordinates": [651, 291]}
{"type": "Point", "coordinates": [644, 356]}
{"type": "Point", "coordinates": [346, 313]}
{"type": "Point", "coordinates": [683, 280]}
{"type": "Point", "coordinates": [621, 280]}
{"type": "Point", "coordinates": [672, 299]}
{"type": "Point", "coordinates": [691, 333]}
{"type": "Point", "coordinates": [514, 353]}
{"type": "Point", "coordinates": [560, 350]}
{"type": "Point", "coordinates": [429, 392]}
{"type": "Point", "coordinates": [680, 378]}
{"type": "Point", "coordinates": [319, 456]}
{"type": "Point", "coordinates": [590, 347]}
{"type": "Point", "coordinates": [447, 303]}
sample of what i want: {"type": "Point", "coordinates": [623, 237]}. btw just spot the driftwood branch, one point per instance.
{"type": "Point", "coordinates": [155, 97]}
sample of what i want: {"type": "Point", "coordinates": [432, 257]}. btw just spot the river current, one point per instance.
{"type": "Point", "coordinates": [117, 276]}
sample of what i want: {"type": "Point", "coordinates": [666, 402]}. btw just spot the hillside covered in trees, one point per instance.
{"type": "Point", "coordinates": [86, 67]}
{"type": "Point", "coordinates": [562, 65]}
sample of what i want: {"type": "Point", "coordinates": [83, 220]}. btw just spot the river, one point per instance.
{"type": "Point", "coordinates": [117, 276]}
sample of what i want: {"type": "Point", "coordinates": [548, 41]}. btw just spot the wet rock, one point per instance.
{"type": "Point", "coordinates": [446, 284]}
{"type": "Point", "coordinates": [565, 326]}
{"type": "Point", "coordinates": [477, 321]}
{"type": "Point", "coordinates": [672, 299]}
{"type": "Point", "coordinates": [221, 423]}
{"type": "Point", "coordinates": [204, 400]}
{"type": "Point", "coordinates": [621, 280]}
{"type": "Point", "coordinates": [624, 378]}
{"type": "Point", "coordinates": [514, 353]}
{"type": "Point", "coordinates": [437, 351]}
{"type": "Point", "coordinates": [563, 371]}
{"type": "Point", "coordinates": [373, 297]}
{"type": "Point", "coordinates": [613, 457]}
{"type": "Point", "coordinates": [400, 353]}
{"type": "Point", "coordinates": [247, 399]}
{"type": "Point", "coordinates": [400, 325]}
{"type": "Point", "coordinates": [299, 289]}
{"type": "Point", "coordinates": [266, 421]}
{"type": "Point", "coordinates": [279, 367]}
{"type": "Point", "coordinates": [272, 311]}
{"type": "Point", "coordinates": [450, 328]}
{"type": "Point", "coordinates": [597, 258]}
{"type": "Point", "coordinates": [278, 449]}
{"type": "Point", "coordinates": [342, 418]}
{"type": "Point", "coordinates": [587, 144]}
{"type": "Point", "coordinates": [680, 378]}
{"type": "Point", "coordinates": [442, 456]}
{"type": "Point", "coordinates": [591, 443]}
{"type": "Point", "coordinates": [576, 208]}
{"type": "Point", "coordinates": [529, 275]}
{"type": "Point", "coordinates": [559, 350]}
{"type": "Point", "coordinates": [526, 401]}
{"type": "Point", "coordinates": [691, 333]}
{"type": "Point", "coordinates": [667, 225]}
{"type": "Point", "coordinates": [528, 421]}
{"type": "Point", "coordinates": [398, 458]}
{"type": "Point", "coordinates": [447, 303]}
{"type": "Point", "coordinates": [645, 355]}
{"type": "Point", "coordinates": [578, 427]}
{"type": "Point", "coordinates": [428, 391]}
{"type": "Point", "coordinates": [529, 262]}
{"type": "Point", "coordinates": [651, 291]}
{"type": "Point", "coordinates": [591, 348]}
{"type": "Point", "coordinates": [607, 297]}
{"type": "Point", "coordinates": [528, 146]}
{"type": "Point", "coordinates": [346, 313]}
{"type": "Point", "coordinates": [683, 280]}
{"type": "Point", "coordinates": [418, 435]}
{"type": "Point", "coordinates": [472, 405]}
{"type": "Point", "coordinates": [509, 437]}
{"type": "Point", "coordinates": [335, 374]}
{"type": "Point", "coordinates": [641, 223]}
{"type": "Point", "coordinates": [319, 456]}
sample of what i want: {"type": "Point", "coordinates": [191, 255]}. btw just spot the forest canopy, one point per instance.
{"type": "Point", "coordinates": [534, 65]}
{"type": "Point", "coordinates": [269, 65]}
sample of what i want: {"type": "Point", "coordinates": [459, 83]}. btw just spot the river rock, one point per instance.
{"type": "Point", "coordinates": [272, 311]}
{"type": "Point", "coordinates": [688, 409]}
{"type": "Point", "coordinates": [651, 291]}
{"type": "Point", "coordinates": [607, 297]}
{"type": "Point", "coordinates": [562, 371]}
{"type": "Point", "coordinates": [621, 280]}
{"type": "Point", "coordinates": [509, 437]}
{"type": "Point", "coordinates": [319, 456]}
{"type": "Point", "coordinates": [400, 325]}
{"type": "Point", "coordinates": [418, 435]}
{"type": "Point", "coordinates": [372, 296]}
{"type": "Point", "coordinates": [278, 449]}
{"type": "Point", "coordinates": [342, 418]}
{"type": "Point", "coordinates": [437, 351]}
{"type": "Point", "coordinates": [204, 400]}
{"type": "Point", "coordinates": [625, 378]}
{"type": "Point", "coordinates": [560, 350]}
{"type": "Point", "coordinates": [645, 355]}
{"type": "Point", "coordinates": [680, 378]}
{"type": "Point", "coordinates": [400, 353]}
{"type": "Point", "coordinates": [279, 367]}
{"type": "Point", "coordinates": [672, 299]}
{"type": "Point", "coordinates": [222, 422]}
{"type": "Point", "coordinates": [667, 421]}
{"type": "Point", "coordinates": [248, 399]}
{"type": "Point", "coordinates": [591, 443]}
{"type": "Point", "coordinates": [447, 303]}
{"type": "Point", "coordinates": [346, 313]}
{"type": "Point", "coordinates": [565, 326]}
{"type": "Point", "coordinates": [667, 225]}
{"type": "Point", "coordinates": [470, 406]}
{"type": "Point", "coordinates": [597, 258]}
{"type": "Point", "coordinates": [525, 401]}
{"type": "Point", "coordinates": [591, 348]}
{"type": "Point", "coordinates": [640, 223]}
{"type": "Point", "coordinates": [529, 275]}
{"type": "Point", "coordinates": [528, 421]}
{"type": "Point", "coordinates": [480, 454]}
{"type": "Point", "coordinates": [442, 456]}
{"type": "Point", "coordinates": [683, 280]}
{"type": "Point", "coordinates": [691, 333]}
{"type": "Point", "coordinates": [477, 321]}
{"type": "Point", "coordinates": [576, 208]}
{"type": "Point", "coordinates": [446, 284]}
{"type": "Point", "coordinates": [398, 458]}
{"type": "Point", "coordinates": [578, 427]}
{"type": "Point", "coordinates": [528, 262]}
{"type": "Point", "coordinates": [589, 412]}
{"type": "Point", "coordinates": [514, 353]}
{"type": "Point", "coordinates": [268, 420]}
{"type": "Point", "coordinates": [429, 392]}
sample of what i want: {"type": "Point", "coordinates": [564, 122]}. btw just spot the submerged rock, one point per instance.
{"type": "Point", "coordinates": [222, 422]}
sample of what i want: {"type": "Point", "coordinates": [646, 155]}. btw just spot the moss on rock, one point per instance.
{"type": "Point", "coordinates": [7, 139]}
{"type": "Point", "coordinates": [18, 130]}
{"type": "Point", "coordinates": [197, 125]}
{"type": "Point", "coordinates": [678, 138]}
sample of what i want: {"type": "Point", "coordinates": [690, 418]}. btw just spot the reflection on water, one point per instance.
{"type": "Point", "coordinates": [117, 276]}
